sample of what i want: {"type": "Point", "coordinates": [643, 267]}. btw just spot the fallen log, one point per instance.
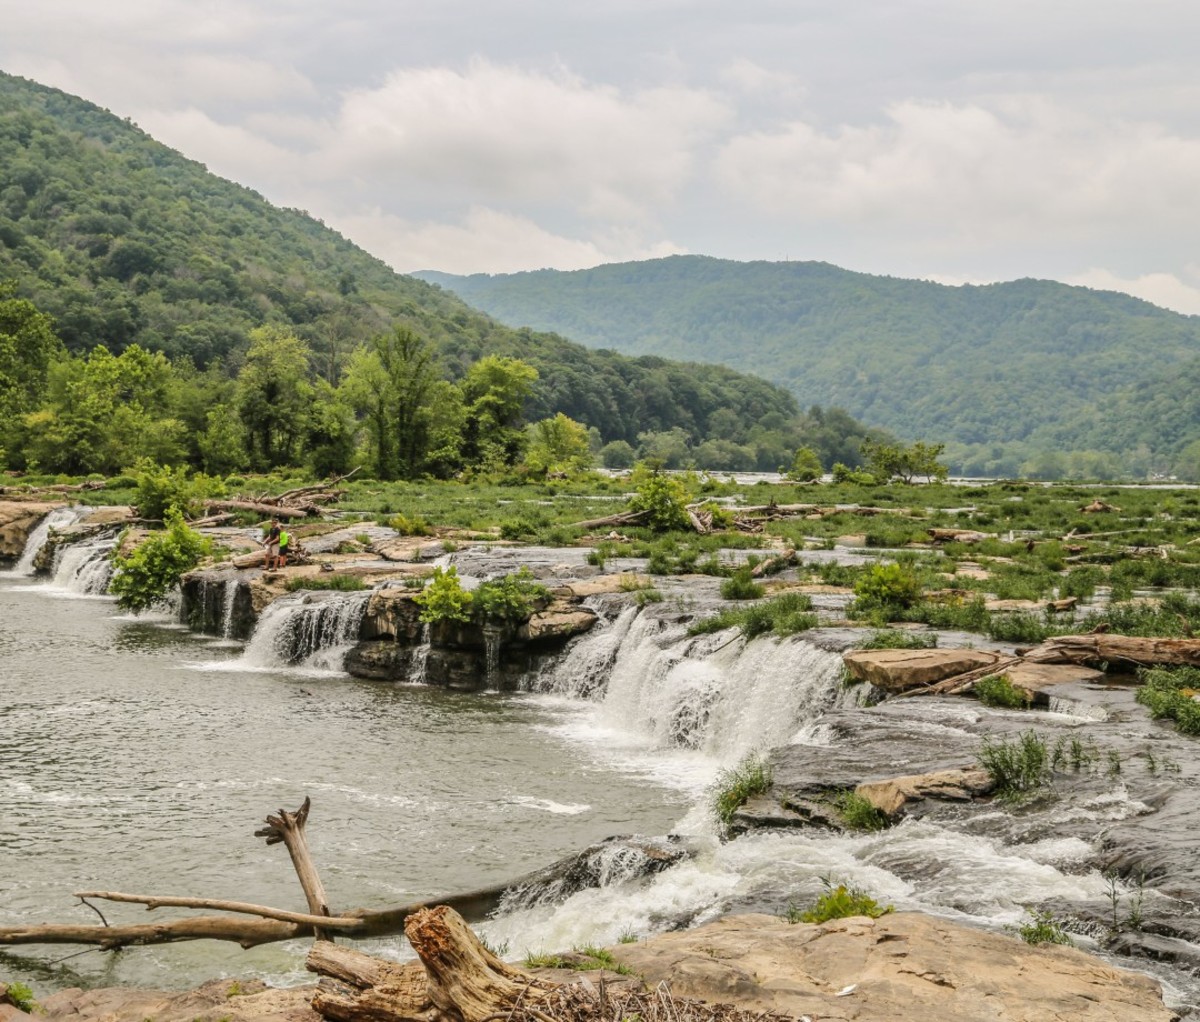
{"type": "Point", "coordinates": [1094, 648]}
{"type": "Point", "coordinates": [267, 510]}
{"type": "Point", "coordinates": [611, 521]}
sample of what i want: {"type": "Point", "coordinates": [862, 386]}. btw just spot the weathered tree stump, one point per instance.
{"type": "Point", "coordinates": [289, 828]}
{"type": "Point", "coordinates": [457, 980]}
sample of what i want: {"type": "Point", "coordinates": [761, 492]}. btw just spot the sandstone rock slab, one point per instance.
{"type": "Point", "coordinates": [18, 518]}
{"type": "Point", "coordinates": [903, 967]}
{"type": "Point", "coordinates": [897, 670]}
{"type": "Point", "coordinates": [893, 795]}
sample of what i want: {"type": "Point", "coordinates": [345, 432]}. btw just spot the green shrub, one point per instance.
{"type": "Point", "coordinates": [898, 638]}
{"type": "Point", "coordinates": [444, 598]}
{"type": "Point", "coordinates": [338, 583]}
{"type": "Point", "coordinates": [160, 487]}
{"type": "Point", "coordinates": [887, 586]}
{"type": "Point", "coordinates": [998, 690]}
{"type": "Point", "coordinates": [735, 786]}
{"type": "Point", "coordinates": [741, 586]}
{"type": "Point", "coordinates": [144, 578]}
{"type": "Point", "coordinates": [858, 812]}
{"type": "Point", "coordinates": [406, 526]}
{"type": "Point", "coordinates": [511, 598]}
{"type": "Point", "coordinates": [663, 498]}
{"type": "Point", "coordinates": [1018, 767]}
{"type": "Point", "coordinates": [1168, 693]}
{"type": "Point", "coordinates": [843, 902]}
{"type": "Point", "coordinates": [784, 615]}
{"type": "Point", "coordinates": [19, 996]}
{"type": "Point", "coordinates": [1042, 928]}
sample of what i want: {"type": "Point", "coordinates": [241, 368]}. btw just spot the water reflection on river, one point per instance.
{"type": "Point", "coordinates": [135, 756]}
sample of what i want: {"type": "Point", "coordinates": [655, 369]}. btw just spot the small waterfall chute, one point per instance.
{"type": "Point", "coordinates": [59, 518]}
{"type": "Point", "coordinates": [85, 568]}
{"type": "Point", "coordinates": [311, 629]}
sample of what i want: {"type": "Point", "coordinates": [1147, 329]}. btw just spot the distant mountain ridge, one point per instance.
{"type": "Point", "coordinates": [123, 240]}
{"type": "Point", "coordinates": [1014, 368]}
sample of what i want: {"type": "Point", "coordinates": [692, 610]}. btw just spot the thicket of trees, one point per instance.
{"type": "Point", "coordinates": [393, 410]}
{"type": "Point", "coordinates": [185, 319]}
{"type": "Point", "coordinates": [1021, 378]}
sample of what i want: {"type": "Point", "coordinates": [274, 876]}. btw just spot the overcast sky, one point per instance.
{"type": "Point", "coordinates": [957, 140]}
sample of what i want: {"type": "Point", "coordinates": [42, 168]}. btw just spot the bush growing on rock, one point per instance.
{"type": "Point", "coordinates": [144, 578]}
{"type": "Point", "coordinates": [843, 902]}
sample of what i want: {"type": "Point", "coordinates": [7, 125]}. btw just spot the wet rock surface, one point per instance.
{"type": "Point", "coordinates": [17, 520]}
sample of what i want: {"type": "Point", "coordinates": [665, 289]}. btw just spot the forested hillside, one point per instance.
{"type": "Point", "coordinates": [1029, 376]}
{"type": "Point", "coordinates": [122, 242]}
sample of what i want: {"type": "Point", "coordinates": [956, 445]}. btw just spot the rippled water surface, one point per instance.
{"type": "Point", "coordinates": [137, 757]}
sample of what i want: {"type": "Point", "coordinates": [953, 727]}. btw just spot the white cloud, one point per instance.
{"type": "Point", "coordinates": [965, 172]}
{"type": "Point", "coordinates": [1165, 289]}
{"type": "Point", "coordinates": [488, 241]}
{"type": "Point", "coordinates": [507, 133]}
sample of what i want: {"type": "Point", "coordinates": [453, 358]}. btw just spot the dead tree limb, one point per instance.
{"type": "Point", "coordinates": [268, 510]}
{"type": "Point", "coordinates": [159, 901]}
{"type": "Point", "coordinates": [1102, 647]}
{"type": "Point", "coordinates": [288, 828]}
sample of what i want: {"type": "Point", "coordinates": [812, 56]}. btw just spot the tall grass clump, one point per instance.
{"type": "Point", "coordinates": [843, 902]}
{"type": "Point", "coordinates": [1018, 766]}
{"type": "Point", "coordinates": [898, 638]}
{"type": "Point", "coordinates": [858, 812]}
{"type": "Point", "coordinates": [741, 586]}
{"type": "Point", "coordinates": [734, 787]}
{"type": "Point", "coordinates": [785, 615]}
{"type": "Point", "coordinates": [1169, 693]}
{"type": "Point", "coordinates": [998, 690]}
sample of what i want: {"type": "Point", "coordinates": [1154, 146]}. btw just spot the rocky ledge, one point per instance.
{"type": "Point", "coordinates": [902, 967]}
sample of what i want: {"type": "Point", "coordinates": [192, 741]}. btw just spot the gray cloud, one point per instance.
{"type": "Point", "coordinates": [934, 139]}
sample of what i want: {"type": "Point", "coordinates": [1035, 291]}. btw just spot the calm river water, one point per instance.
{"type": "Point", "coordinates": [138, 757]}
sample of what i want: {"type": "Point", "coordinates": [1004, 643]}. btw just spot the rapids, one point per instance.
{"type": "Point", "coordinates": [139, 756]}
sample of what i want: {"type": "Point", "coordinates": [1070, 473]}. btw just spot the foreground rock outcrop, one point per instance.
{"type": "Point", "coordinates": [17, 520]}
{"type": "Point", "coordinates": [903, 967]}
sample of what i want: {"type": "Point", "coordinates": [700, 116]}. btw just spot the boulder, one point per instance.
{"type": "Point", "coordinates": [1036, 680]}
{"type": "Point", "coordinates": [902, 967]}
{"type": "Point", "coordinates": [17, 520]}
{"type": "Point", "coordinates": [897, 670]}
{"type": "Point", "coordinates": [557, 622]}
{"type": "Point", "coordinates": [893, 795]}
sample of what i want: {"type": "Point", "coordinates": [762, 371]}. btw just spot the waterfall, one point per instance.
{"type": "Point", "coordinates": [717, 695]}
{"type": "Point", "coordinates": [230, 599]}
{"type": "Point", "coordinates": [85, 567]}
{"type": "Point", "coordinates": [310, 628]}
{"type": "Point", "coordinates": [56, 519]}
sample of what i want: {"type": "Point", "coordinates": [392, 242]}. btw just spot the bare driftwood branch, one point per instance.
{"type": "Point", "coordinates": [152, 902]}
{"type": "Point", "coordinates": [269, 510]}
{"type": "Point", "coordinates": [1102, 647]}
{"type": "Point", "coordinates": [288, 828]}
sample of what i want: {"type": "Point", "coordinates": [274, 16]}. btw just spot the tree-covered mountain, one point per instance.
{"type": "Point", "coordinates": [124, 241]}
{"type": "Point", "coordinates": [1006, 374]}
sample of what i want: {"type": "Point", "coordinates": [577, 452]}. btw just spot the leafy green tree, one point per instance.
{"type": "Point", "coordinates": [274, 396]}
{"type": "Point", "coordinates": [888, 460]}
{"type": "Point", "coordinates": [28, 347]}
{"type": "Point", "coordinates": [331, 440]}
{"type": "Point", "coordinates": [162, 488]}
{"type": "Point", "coordinates": [154, 568]}
{"type": "Point", "coordinates": [222, 444]}
{"type": "Point", "coordinates": [390, 382]}
{"type": "Point", "coordinates": [618, 454]}
{"type": "Point", "coordinates": [672, 447]}
{"type": "Point", "coordinates": [806, 466]}
{"type": "Point", "coordinates": [558, 444]}
{"type": "Point", "coordinates": [494, 391]}
{"type": "Point", "coordinates": [104, 412]}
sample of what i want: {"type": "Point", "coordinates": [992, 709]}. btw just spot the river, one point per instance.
{"type": "Point", "coordinates": [136, 756]}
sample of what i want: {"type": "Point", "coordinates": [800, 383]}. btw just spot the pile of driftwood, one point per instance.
{"type": "Point", "coordinates": [744, 519]}
{"type": "Point", "coordinates": [457, 979]}
{"type": "Point", "coordinates": [302, 502]}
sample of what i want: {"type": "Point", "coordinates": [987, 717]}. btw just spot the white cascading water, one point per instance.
{"type": "Point", "coordinates": [716, 695]}
{"type": "Point", "coordinates": [313, 630]}
{"type": "Point", "coordinates": [648, 698]}
{"type": "Point", "coordinates": [57, 519]}
{"type": "Point", "coordinates": [85, 568]}
{"type": "Point", "coordinates": [230, 598]}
